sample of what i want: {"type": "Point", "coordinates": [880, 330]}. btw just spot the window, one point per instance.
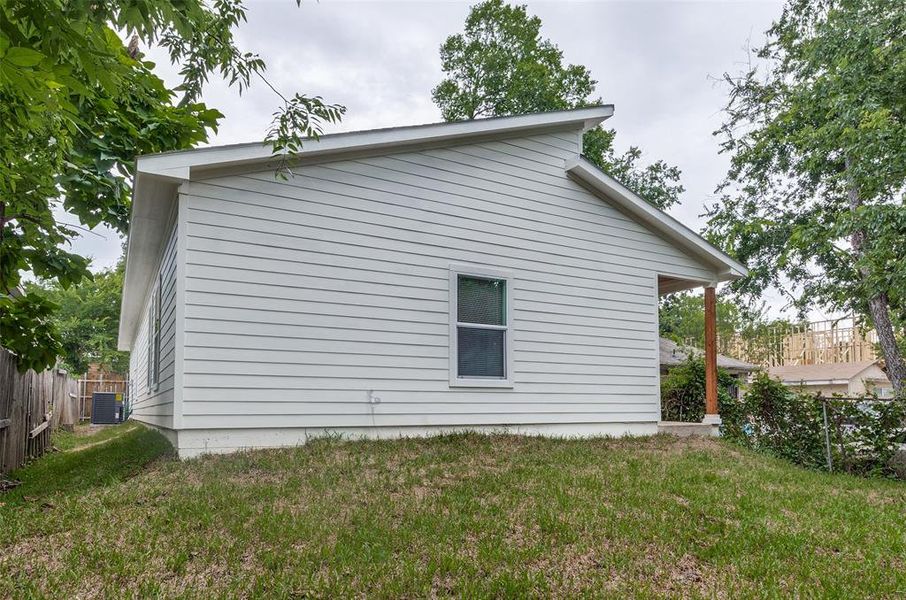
{"type": "Point", "coordinates": [154, 338]}
{"type": "Point", "coordinates": [480, 328]}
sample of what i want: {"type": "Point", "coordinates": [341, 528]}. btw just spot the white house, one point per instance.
{"type": "Point", "coordinates": [841, 379]}
{"type": "Point", "coordinates": [401, 281]}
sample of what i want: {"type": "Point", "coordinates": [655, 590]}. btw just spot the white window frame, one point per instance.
{"type": "Point", "coordinates": [154, 329]}
{"type": "Point", "coordinates": [884, 390]}
{"type": "Point", "coordinates": [481, 273]}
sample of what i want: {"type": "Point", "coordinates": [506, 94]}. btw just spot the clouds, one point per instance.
{"type": "Point", "coordinates": [655, 61]}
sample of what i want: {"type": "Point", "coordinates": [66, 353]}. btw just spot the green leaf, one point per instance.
{"type": "Point", "coordinates": [77, 110]}
{"type": "Point", "coordinates": [500, 65]}
{"type": "Point", "coordinates": [23, 57]}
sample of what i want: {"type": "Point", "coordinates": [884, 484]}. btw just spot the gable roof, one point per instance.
{"type": "Point", "coordinates": [823, 373]}
{"type": "Point", "coordinates": [181, 165]}
{"type": "Point", "coordinates": [673, 354]}
{"type": "Point", "coordinates": [598, 181]}
{"type": "Point", "coordinates": [158, 177]}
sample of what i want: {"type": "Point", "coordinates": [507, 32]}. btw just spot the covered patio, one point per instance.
{"type": "Point", "coordinates": [710, 425]}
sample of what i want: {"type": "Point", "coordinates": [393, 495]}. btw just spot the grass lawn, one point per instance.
{"type": "Point", "coordinates": [462, 515]}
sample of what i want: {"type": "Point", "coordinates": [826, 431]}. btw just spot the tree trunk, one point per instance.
{"type": "Point", "coordinates": [894, 363]}
{"type": "Point", "coordinates": [878, 305]}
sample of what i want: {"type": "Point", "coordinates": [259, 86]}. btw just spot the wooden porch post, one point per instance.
{"type": "Point", "coordinates": [711, 411]}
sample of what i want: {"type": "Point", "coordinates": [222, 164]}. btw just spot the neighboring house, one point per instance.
{"type": "Point", "coordinates": [843, 379]}
{"type": "Point", "coordinates": [404, 281]}
{"type": "Point", "coordinates": [673, 354]}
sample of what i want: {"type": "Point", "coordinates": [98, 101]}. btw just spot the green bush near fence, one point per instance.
{"type": "Point", "coordinates": [863, 434]}
{"type": "Point", "coordinates": [859, 435]}
{"type": "Point", "coordinates": [772, 418]}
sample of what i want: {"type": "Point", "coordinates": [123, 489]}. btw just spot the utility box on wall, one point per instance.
{"type": "Point", "coordinates": [106, 408]}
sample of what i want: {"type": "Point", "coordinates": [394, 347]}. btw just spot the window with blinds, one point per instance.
{"type": "Point", "coordinates": [480, 329]}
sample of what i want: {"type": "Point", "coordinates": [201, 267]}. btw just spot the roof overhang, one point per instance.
{"type": "Point", "coordinates": [726, 268]}
{"type": "Point", "coordinates": [180, 166]}
{"type": "Point", "coordinates": [148, 226]}
{"type": "Point", "coordinates": [158, 177]}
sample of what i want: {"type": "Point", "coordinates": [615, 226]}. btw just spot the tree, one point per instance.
{"type": "Point", "coordinates": [86, 319]}
{"type": "Point", "coordinates": [814, 198]}
{"type": "Point", "coordinates": [501, 66]}
{"type": "Point", "coordinates": [682, 319]}
{"type": "Point", "coordinates": [743, 331]}
{"type": "Point", "coordinates": [77, 105]}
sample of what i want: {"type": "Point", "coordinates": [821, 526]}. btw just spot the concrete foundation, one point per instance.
{"type": "Point", "coordinates": [688, 429]}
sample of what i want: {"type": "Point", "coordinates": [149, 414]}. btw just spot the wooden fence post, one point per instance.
{"type": "Point", "coordinates": [31, 406]}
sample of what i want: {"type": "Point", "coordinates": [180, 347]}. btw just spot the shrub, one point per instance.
{"type": "Point", "coordinates": [897, 463]}
{"type": "Point", "coordinates": [683, 391]}
{"type": "Point", "coordinates": [864, 434]}
{"type": "Point", "coordinates": [787, 424]}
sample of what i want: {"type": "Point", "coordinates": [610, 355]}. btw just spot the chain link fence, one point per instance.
{"type": "Point", "coordinates": [858, 430]}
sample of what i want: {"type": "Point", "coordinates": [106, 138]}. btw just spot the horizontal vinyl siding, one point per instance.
{"type": "Point", "coordinates": [308, 296]}
{"type": "Point", "coordinates": [156, 406]}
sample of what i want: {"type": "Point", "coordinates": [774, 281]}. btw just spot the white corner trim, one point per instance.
{"type": "Point", "coordinates": [614, 191]}
{"type": "Point", "coordinates": [656, 325]}
{"type": "Point", "coordinates": [509, 354]}
{"type": "Point", "coordinates": [179, 344]}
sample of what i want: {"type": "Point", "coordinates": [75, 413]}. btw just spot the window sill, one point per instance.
{"type": "Point", "coordinates": [481, 383]}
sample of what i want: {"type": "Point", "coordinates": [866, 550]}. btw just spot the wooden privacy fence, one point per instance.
{"type": "Point", "coordinates": [31, 405]}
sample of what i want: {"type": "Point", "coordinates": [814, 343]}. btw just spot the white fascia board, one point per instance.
{"type": "Point", "coordinates": [179, 165]}
{"type": "Point", "coordinates": [652, 216]}
{"type": "Point", "coordinates": [152, 168]}
{"type": "Point", "coordinates": [810, 382]}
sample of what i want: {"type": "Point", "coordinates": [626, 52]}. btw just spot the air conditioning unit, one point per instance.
{"type": "Point", "coordinates": [106, 408]}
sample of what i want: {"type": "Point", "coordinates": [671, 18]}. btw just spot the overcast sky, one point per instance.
{"type": "Point", "coordinates": [657, 62]}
